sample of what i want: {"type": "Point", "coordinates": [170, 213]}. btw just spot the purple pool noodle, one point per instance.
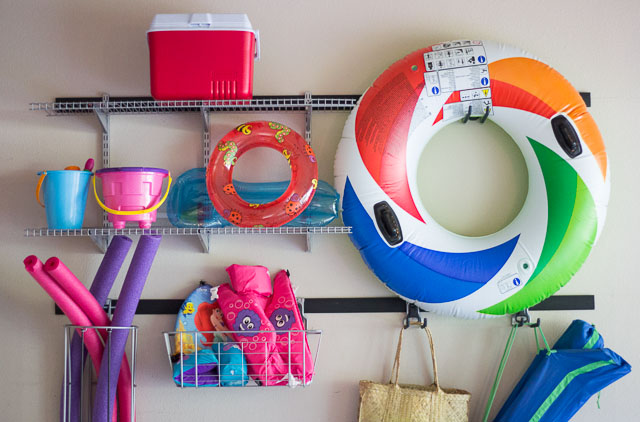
{"type": "Point", "coordinates": [123, 317]}
{"type": "Point", "coordinates": [100, 288]}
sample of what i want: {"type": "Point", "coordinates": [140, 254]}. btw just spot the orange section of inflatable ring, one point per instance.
{"type": "Point", "coordinates": [552, 88]}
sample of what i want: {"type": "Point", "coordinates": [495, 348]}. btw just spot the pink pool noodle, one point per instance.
{"type": "Point", "coordinates": [100, 288]}
{"type": "Point", "coordinates": [123, 317]}
{"type": "Point", "coordinates": [90, 306]}
{"type": "Point", "coordinates": [34, 267]}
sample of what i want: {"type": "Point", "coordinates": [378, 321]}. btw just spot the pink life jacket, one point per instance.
{"type": "Point", "coordinates": [243, 306]}
{"type": "Point", "coordinates": [284, 315]}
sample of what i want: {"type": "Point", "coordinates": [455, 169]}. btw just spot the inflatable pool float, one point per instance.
{"type": "Point", "coordinates": [563, 213]}
{"type": "Point", "coordinates": [189, 205]}
{"type": "Point", "coordinates": [297, 196]}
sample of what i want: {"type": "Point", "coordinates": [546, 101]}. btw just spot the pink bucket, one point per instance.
{"type": "Point", "coordinates": [132, 194]}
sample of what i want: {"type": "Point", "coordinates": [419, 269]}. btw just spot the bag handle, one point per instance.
{"type": "Point", "coordinates": [39, 186]}
{"type": "Point", "coordinates": [135, 212]}
{"type": "Point", "coordinates": [395, 370]}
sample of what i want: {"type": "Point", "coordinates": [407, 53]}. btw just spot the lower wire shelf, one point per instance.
{"type": "Point", "coordinates": [243, 358]}
{"type": "Point", "coordinates": [101, 236]}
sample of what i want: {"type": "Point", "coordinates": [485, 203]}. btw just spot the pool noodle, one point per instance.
{"type": "Point", "coordinates": [33, 266]}
{"type": "Point", "coordinates": [87, 302]}
{"type": "Point", "coordinates": [123, 317]}
{"type": "Point", "coordinates": [100, 288]}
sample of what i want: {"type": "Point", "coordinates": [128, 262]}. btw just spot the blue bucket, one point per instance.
{"type": "Point", "coordinates": [65, 197]}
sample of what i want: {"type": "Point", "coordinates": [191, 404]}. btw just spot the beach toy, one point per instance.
{"type": "Point", "coordinates": [96, 314]}
{"type": "Point", "coordinates": [100, 288]}
{"type": "Point", "coordinates": [233, 366]}
{"type": "Point", "coordinates": [65, 197]}
{"type": "Point", "coordinates": [297, 196]}
{"type": "Point", "coordinates": [186, 373]}
{"type": "Point", "coordinates": [132, 194]}
{"type": "Point", "coordinates": [560, 380]}
{"type": "Point", "coordinates": [188, 204]}
{"type": "Point", "coordinates": [291, 338]}
{"type": "Point", "coordinates": [377, 166]}
{"type": "Point", "coordinates": [123, 317]}
{"type": "Point", "coordinates": [194, 316]}
{"type": "Point", "coordinates": [88, 165]}
{"type": "Point", "coordinates": [34, 267]}
{"type": "Point", "coordinates": [243, 303]}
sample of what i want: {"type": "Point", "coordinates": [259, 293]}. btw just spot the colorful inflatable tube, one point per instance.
{"type": "Point", "coordinates": [563, 214]}
{"type": "Point", "coordinates": [297, 196]}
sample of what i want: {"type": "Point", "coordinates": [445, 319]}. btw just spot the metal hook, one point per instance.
{"type": "Point", "coordinates": [413, 317]}
{"type": "Point", "coordinates": [467, 116]}
{"type": "Point", "coordinates": [523, 318]}
{"type": "Point", "coordinates": [482, 119]}
{"type": "Point", "coordinates": [487, 110]}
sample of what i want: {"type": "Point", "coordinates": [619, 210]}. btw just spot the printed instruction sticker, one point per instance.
{"type": "Point", "coordinates": [459, 66]}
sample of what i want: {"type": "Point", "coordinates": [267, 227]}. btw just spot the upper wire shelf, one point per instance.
{"type": "Point", "coordinates": [107, 231]}
{"type": "Point", "coordinates": [147, 105]}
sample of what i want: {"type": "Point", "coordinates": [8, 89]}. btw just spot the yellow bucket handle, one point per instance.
{"type": "Point", "coordinates": [39, 186]}
{"type": "Point", "coordinates": [135, 212]}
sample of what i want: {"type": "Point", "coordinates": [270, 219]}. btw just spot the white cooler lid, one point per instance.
{"type": "Point", "coordinates": [205, 22]}
{"type": "Point", "coordinates": [201, 22]}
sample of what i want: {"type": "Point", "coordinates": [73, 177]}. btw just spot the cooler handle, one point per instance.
{"type": "Point", "coordinates": [256, 34]}
{"type": "Point", "coordinates": [135, 212]}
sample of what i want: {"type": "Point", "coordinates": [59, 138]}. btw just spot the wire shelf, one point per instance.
{"type": "Point", "coordinates": [220, 361]}
{"type": "Point", "coordinates": [175, 231]}
{"type": "Point", "coordinates": [144, 105]}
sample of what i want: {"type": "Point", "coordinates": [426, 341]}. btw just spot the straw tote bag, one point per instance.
{"type": "Point", "coordinates": [395, 402]}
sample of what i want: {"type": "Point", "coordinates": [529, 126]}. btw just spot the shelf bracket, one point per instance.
{"type": "Point", "coordinates": [102, 112]}
{"type": "Point", "coordinates": [205, 241]}
{"type": "Point", "coordinates": [309, 238]}
{"type": "Point", "coordinates": [307, 116]}
{"type": "Point", "coordinates": [206, 136]}
{"type": "Point", "coordinates": [101, 240]}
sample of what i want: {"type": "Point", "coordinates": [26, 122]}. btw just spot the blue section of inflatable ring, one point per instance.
{"type": "Point", "coordinates": [417, 273]}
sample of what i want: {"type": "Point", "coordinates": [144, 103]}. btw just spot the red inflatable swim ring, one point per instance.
{"type": "Point", "coordinates": [304, 175]}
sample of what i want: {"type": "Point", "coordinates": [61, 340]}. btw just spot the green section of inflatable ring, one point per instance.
{"type": "Point", "coordinates": [571, 231]}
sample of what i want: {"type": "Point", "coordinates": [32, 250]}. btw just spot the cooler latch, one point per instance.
{"type": "Point", "coordinates": [200, 20]}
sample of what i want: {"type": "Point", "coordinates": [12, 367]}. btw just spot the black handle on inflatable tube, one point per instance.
{"type": "Point", "coordinates": [388, 223]}
{"type": "Point", "coordinates": [566, 136]}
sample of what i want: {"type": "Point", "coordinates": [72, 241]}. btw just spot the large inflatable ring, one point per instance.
{"type": "Point", "coordinates": [568, 191]}
{"type": "Point", "coordinates": [304, 175]}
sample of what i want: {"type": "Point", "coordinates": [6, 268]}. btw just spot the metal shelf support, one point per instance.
{"type": "Point", "coordinates": [205, 241]}
{"type": "Point", "coordinates": [101, 241]}
{"type": "Point", "coordinates": [206, 136]}
{"type": "Point", "coordinates": [308, 107]}
{"type": "Point", "coordinates": [105, 121]}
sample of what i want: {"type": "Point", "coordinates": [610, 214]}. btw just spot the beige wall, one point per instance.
{"type": "Point", "coordinates": [85, 48]}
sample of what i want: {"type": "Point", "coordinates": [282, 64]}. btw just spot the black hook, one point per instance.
{"type": "Point", "coordinates": [482, 119]}
{"type": "Point", "coordinates": [467, 116]}
{"type": "Point", "coordinates": [413, 316]}
{"type": "Point", "coordinates": [523, 318]}
{"type": "Point", "coordinates": [487, 110]}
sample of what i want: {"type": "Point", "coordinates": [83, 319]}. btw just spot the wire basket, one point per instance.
{"type": "Point", "coordinates": [242, 359]}
{"type": "Point", "coordinates": [79, 379]}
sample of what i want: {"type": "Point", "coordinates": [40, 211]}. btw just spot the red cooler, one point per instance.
{"type": "Point", "coordinates": [202, 56]}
